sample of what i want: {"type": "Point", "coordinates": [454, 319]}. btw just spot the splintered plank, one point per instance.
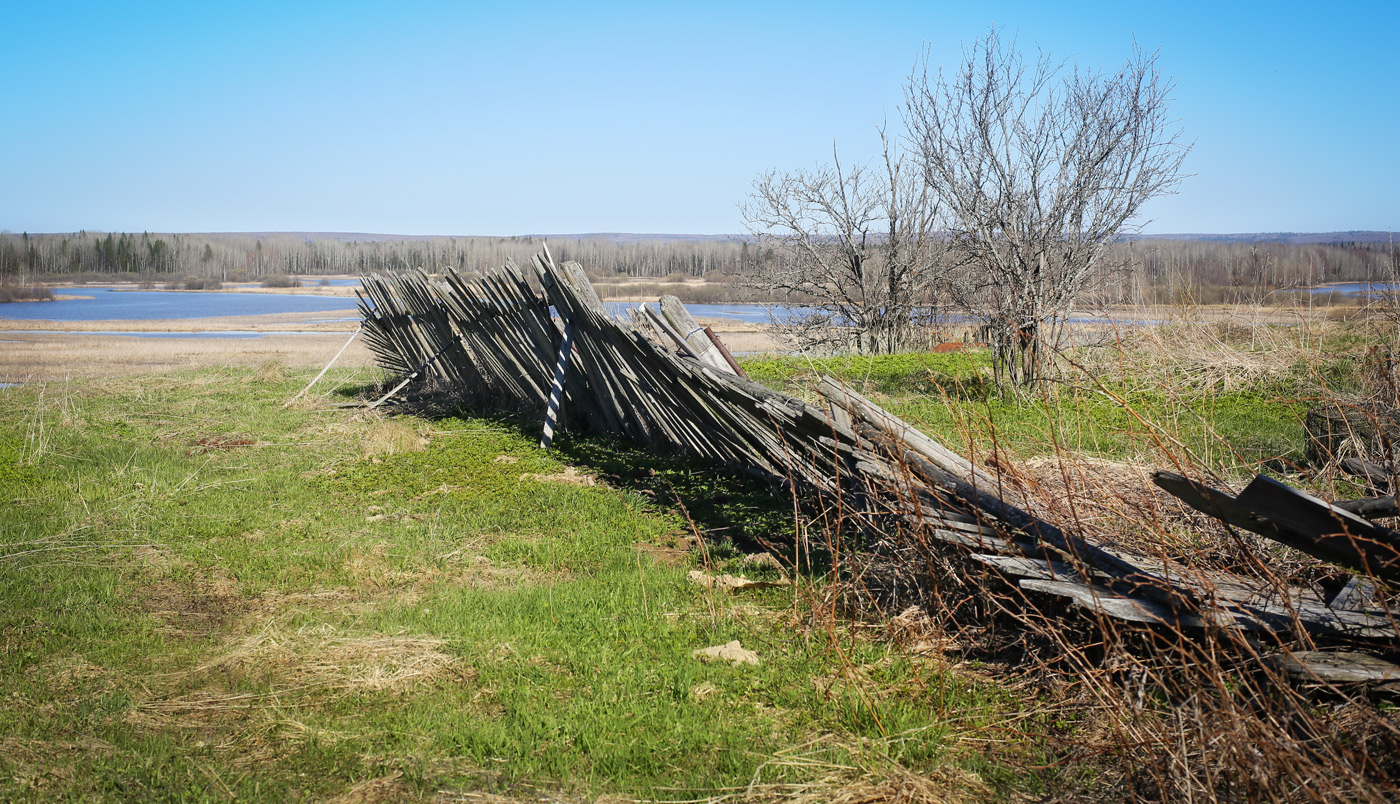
{"type": "Point", "coordinates": [694, 335]}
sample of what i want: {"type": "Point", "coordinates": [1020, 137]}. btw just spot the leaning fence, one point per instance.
{"type": "Point", "coordinates": [542, 340]}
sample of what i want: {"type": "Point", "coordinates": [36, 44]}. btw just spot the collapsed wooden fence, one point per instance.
{"type": "Point", "coordinates": [550, 345]}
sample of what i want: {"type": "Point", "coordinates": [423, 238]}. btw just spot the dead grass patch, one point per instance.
{"type": "Point", "coordinates": [1115, 501]}
{"type": "Point", "coordinates": [214, 443]}
{"type": "Point", "coordinates": [570, 476]}
{"type": "Point", "coordinates": [324, 657]}
{"type": "Point", "coordinates": [271, 372]}
{"type": "Point", "coordinates": [383, 790]}
{"type": "Point", "coordinates": [390, 437]}
{"type": "Point", "coordinates": [670, 556]}
{"type": "Point", "coordinates": [838, 782]}
{"type": "Point", "coordinates": [67, 674]}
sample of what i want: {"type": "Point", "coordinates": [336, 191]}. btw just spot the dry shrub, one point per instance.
{"type": "Point", "coordinates": [1116, 504]}
{"type": "Point", "coordinates": [1222, 356]}
{"type": "Point", "coordinates": [1150, 712]}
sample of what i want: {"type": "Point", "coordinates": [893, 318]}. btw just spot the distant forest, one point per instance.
{"type": "Point", "coordinates": [1220, 268]}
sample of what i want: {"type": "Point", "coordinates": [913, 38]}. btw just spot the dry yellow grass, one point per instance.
{"type": "Point", "coordinates": [57, 353]}
{"type": "Point", "coordinates": [35, 357]}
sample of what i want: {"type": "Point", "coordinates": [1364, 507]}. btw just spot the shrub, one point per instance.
{"type": "Point", "coordinates": [17, 293]}
{"type": "Point", "coordinates": [195, 283]}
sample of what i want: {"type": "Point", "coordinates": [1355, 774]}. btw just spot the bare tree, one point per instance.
{"type": "Point", "coordinates": [1040, 168]}
{"type": "Point", "coordinates": [861, 242]}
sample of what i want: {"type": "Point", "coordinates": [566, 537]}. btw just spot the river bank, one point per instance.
{"type": "Point", "coordinates": [120, 330]}
{"type": "Point", "coordinates": [36, 351]}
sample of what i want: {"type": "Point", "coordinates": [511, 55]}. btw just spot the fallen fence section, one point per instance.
{"type": "Point", "coordinates": [549, 345]}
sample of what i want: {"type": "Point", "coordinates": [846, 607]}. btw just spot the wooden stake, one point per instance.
{"type": "Point", "coordinates": [328, 366]}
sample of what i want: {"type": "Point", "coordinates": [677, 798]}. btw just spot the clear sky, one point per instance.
{"type": "Point", "coordinates": [511, 118]}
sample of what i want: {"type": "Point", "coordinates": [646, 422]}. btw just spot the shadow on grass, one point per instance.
{"type": "Point", "coordinates": [735, 512]}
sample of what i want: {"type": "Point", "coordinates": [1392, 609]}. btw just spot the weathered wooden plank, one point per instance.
{"type": "Point", "coordinates": [1371, 507]}
{"type": "Point", "coordinates": [940, 456]}
{"type": "Point", "coordinates": [694, 335]}
{"type": "Point", "coordinates": [1023, 567]}
{"type": "Point", "coordinates": [412, 375]}
{"type": "Point", "coordinates": [1108, 603]}
{"type": "Point", "coordinates": [1378, 475]}
{"type": "Point", "coordinates": [1354, 596]}
{"type": "Point", "coordinates": [556, 392]}
{"type": "Point", "coordinates": [1337, 667]}
{"type": "Point", "coordinates": [736, 369]}
{"type": "Point", "coordinates": [1324, 531]}
{"type": "Point", "coordinates": [1316, 617]}
{"type": "Point", "coordinates": [1078, 549]}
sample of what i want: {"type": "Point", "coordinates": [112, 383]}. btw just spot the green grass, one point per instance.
{"type": "Point", "coordinates": [187, 617]}
{"type": "Point", "coordinates": [1126, 413]}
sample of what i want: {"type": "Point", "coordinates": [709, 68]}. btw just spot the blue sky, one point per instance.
{"type": "Point", "coordinates": [501, 118]}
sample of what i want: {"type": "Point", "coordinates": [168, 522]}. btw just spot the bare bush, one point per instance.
{"type": "Point", "coordinates": [1040, 169]}
{"type": "Point", "coordinates": [863, 243]}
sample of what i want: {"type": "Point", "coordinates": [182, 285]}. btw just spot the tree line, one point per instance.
{"type": "Point", "coordinates": [1136, 270]}
{"type": "Point", "coordinates": [236, 257]}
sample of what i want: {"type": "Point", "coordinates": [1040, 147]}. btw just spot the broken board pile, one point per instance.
{"type": "Point", "coordinates": [550, 345]}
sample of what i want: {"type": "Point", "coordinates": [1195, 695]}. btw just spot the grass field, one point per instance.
{"type": "Point", "coordinates": [210, 597]}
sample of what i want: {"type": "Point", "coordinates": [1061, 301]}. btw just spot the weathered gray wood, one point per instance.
{"type": "Point", "coordinates": [694, 334]}
{"type": "Point", "coordinates": [410, 378]}
{"type": "Point", "coordinates": [1078, 549]}
{"type": "Point", "coordinates": [1371, 507]}
{"type": "Point", "coordinates": [972, 541]}
{"type": "Point", "coordinates": [1354, 596]}
{"type": "Point", "coordinates": [900, 430]}
{"type": "Point", "coordinates": [1324, 531]}
{"type": "Point", "coordinates": [1108, 603]}
{"type": "Point", "coordinates": [669, 330]}
{"type": "Point", "coordinates": [1378, 475]}
{"type": "Point", "coordinates": [1023, 567]}
{"type": "Point", "coordinates": [1337, 667]}
{"type": "Point", "coordinates": [737, 369]}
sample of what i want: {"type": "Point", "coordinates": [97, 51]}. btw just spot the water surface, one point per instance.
{"type": "Point", "coordinates": [108, 304]}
